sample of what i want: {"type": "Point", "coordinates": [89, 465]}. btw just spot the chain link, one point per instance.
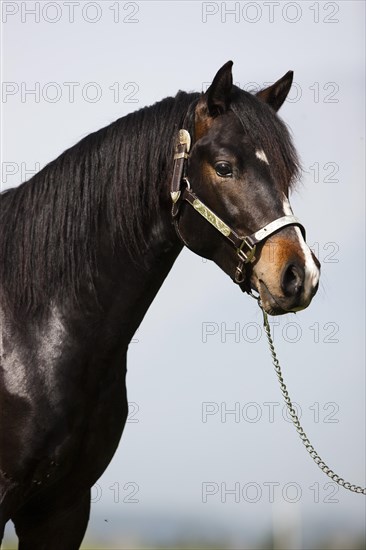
{"type": "Point", "coordinates": [295, 419]}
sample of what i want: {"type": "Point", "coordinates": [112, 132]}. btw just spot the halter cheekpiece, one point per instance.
{"type": "Point", "coordinates": [245, 247]}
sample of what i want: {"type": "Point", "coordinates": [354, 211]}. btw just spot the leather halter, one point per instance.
{"type": "Point", "coordinates": [245, 246]}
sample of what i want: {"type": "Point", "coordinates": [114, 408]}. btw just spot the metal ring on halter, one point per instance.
{"type": "Point", "coordinates": [240, 273]}
{"type": "Point", "coordinates": [186, 180]}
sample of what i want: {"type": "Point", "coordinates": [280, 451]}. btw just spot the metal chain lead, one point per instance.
{"type": "Point", "coordinates": [314, 455]}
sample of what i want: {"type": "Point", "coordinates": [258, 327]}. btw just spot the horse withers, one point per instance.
{"type": "Point", "coordinates": [85, 246]}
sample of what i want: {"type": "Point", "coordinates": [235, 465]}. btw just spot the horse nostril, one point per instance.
{"type": "Point", "coordinates": [292, 280]}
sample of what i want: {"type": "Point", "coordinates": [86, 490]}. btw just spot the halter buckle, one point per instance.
{"type": "Point", "coordinates": [183, 145]}
{"type": "Point", "coordinates": [246, 257]}
{"type": "Point", "coordinates": [184, 138]}
{"type": "Point", "coordinates": [181, 155]}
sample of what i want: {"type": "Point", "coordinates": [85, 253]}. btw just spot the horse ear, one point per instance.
{"type": "Point", "coordinates": [218, 94]}
{"type": "Point", "coordinates": [276, 94]}
{"type": "Point", "coordinates": [215, 101]}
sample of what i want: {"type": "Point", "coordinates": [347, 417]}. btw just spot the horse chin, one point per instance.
{"type": "Point", "coordinates": [270, 302]}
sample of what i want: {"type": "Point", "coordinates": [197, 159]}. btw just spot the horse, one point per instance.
{"type": "Point", "coordinates": [86, 244]}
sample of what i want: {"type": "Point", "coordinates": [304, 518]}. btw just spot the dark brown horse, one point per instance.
{"type": "Point", "coordinates": [84, 248]}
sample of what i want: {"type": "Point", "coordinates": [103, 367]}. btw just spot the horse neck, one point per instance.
{"type": "Point", "coordinates": [83, 250]}
{"type": "Point", "coordinates": [128, 282]}
{"type": "Point", "coordinates": [130, 276]}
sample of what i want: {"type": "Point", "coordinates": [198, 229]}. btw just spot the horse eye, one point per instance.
{"type": "Point", "coordinates": [223, 169]}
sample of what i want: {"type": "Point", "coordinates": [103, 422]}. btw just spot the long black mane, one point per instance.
{"type": "Point", "coordinates": [50, 223]}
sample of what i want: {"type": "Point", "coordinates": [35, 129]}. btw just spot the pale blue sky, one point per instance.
{"type": "Point", "coordinates": [170, 452]}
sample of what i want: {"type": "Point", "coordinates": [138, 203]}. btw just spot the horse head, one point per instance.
{"type": "Point", "coordinates": [238, 175]}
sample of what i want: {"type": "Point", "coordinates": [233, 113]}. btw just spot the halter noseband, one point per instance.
{"type": "Point", "coordinates": [245, 246]}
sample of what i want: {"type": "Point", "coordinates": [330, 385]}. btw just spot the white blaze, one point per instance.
{"type": "Point", "coordinates": [311, 270]}
{"type": "Point", "coordinates": [261, 155]}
